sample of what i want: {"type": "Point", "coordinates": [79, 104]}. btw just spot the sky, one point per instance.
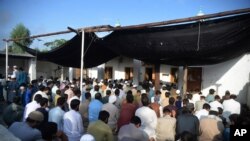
{"type": "Point", "coordinates": [45, 16]}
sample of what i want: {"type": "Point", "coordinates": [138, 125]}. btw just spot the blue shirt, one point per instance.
{"type": "Point", "coordinates": [24, 132]}
{"type": "Point", "coordinates": [95, 107]}
{"type": "Point", "coordinates": [27, 97]}
{"type": "Point", "coordinates": [56, 115]}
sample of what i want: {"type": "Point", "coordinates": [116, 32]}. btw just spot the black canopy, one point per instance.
{"type": "Point", "coordinates": [196, 43]}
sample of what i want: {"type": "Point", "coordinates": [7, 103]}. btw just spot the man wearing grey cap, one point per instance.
{"type": "Point", "coordinates": [26, 131]}
{"type": "Point", "coordinates": [187, 122]}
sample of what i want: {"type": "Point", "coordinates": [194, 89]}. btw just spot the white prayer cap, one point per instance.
{"type": "Point", "coordinates": [112, 99]}
{"type": "Point", "coordinates": [164, 86]}
{"type": "Point", "coordinates": [72, 86]}
{"type": "Point", "coordinates": [13, 76]}
{"type": "Point", "coordinates": [22, 88]}
{"type": "Point", "coordinates": [83, 83]}
{"type": "Point", "coordinates": [87, 137]}
{"type": "Point", "coordinates": [214, 109]}
{"type": "Point", "coordinates": [178, 92]}
{"type": "Point", "coordinates": [134, 86]}
{"type": "Point", "coordinates": [15, 66]}
{"type": "Point", "coordinates": [143, 91]}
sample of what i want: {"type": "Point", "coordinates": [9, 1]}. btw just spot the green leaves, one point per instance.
{"type": "Point", "coordinates": [20, 31]}
{"type": "Point", "coordinates": [55, 43]}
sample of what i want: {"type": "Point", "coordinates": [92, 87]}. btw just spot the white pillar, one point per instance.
{"type": "Point", "coordinates": [248, 92]}
{"type": "Point", "coordinates": [32, 68]}
{"type": "Point", "coordinates": [82, 59]}
{"type": "Point", "coordinates": [62, 73]}
{"type": "Point", "coordinates": [70, 74]}
{"type": "Point", "coordinates": [6, 63]}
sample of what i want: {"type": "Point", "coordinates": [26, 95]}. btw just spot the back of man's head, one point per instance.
{"type": "Point", "coordinates": [74, 104]}
{"type": "Point", "coordinates": [136, 120]}
{"type": "Point", "coordinates": [211, 91]}
{"type": "Point", "coordinates": [61, 101]}
{"type": "Point", "coordinates": [98, 96]}
{"type": "Point", "coordinates": [167, 94]}
{"type": "Point", "coordinates": [38, 98]}
{"type": "Point", "coordinates": [103, 116]}
{"type": "Point", "coordinates": [206, 106]}
{"type": "Point", "coordinates": [44, 101]}
{"type": "Point", "coordinates": [108, 92]}
{"type": "Point", "coordinates": [130, 98]}
{"type": "Point", "coordinates": [171, 101]}
{"type": "Point", "coordinates": [144, 100]}
{"type": "Point", "coordinates": [87, 95]}
{"type": "Point", "coordinates": [217, 97]}
{"type": "Point", "coordinates": [185, 101]}
{"type": "Point", "coordinates": [117, 92]}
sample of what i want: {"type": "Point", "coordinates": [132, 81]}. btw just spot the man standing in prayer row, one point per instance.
{"type": "Point", "coordinates": [113, 112]}
{"type": "Point", "coordinates": [56, 114]}
{"type": "Point", "coordinates": [166, 126]}
{"type": "Point", "coordinates": [99, 129]}
{"type": "Point", "coordinates": [26, 131]}
{"type": "Point", "coordinates": [147, 116]}
{"type": "Point", "coordinates": [32, 106]}
{"type": "Point", "coordinates": [73, 125]}
{"type": "Point", "coordinates": [95, 107]}
{"type": "Point", "coordinates": [131, 131]}
{"type": "Point", "coordinates": [187, 122]}
{"type": "Point", "coordinates": [211, 126]}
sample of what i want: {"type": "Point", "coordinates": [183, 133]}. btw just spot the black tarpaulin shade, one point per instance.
{"type": "Point", "coordinates": [197, 43]}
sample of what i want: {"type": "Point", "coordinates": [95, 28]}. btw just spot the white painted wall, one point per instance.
{"type": "Point", "coordinates": [165, 73]}
{"type": "Point", "coordinates": [47, 69]}
{"type": "Point", "coordinates": [233, 75]}
{"type": "Point", "coordinates": [119, 65]}
{"type": "Point", "coordinates": [92, 72]}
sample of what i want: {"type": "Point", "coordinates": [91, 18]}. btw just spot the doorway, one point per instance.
{"type": "Point", "coordinates": [148, 74]}
{"type": "Point", "coordinates": [128, 73]}
{"type": "Point", "coordinates": [194, 78]}
{"type": "Point", "coordinates": [174, 75]}
{"type": "Point", "coordinates": [108, 73]}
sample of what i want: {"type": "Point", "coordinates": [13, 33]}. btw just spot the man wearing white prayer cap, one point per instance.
{"type": "Point", "coordinates": [87, 137]}
{"type": "Point", "coordinates": [113, 111]}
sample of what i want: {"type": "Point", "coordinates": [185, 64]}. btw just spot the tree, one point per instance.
{"type": "Point", "coordinates": [20, 31]}
{"type": "Point", "coordinates": [55, 43]}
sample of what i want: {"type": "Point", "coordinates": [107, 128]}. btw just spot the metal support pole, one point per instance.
{"type": "Point", "coordinates": [82, 59]}
{"type": "Point", "coordinates": [6, 63]}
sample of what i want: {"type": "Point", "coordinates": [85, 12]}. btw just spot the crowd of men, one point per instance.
{"type": "Point", "coordinates": [108, 110]}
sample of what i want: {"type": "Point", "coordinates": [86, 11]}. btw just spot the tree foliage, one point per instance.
{"type": "Point", "coordinates": [55, 43]}
{"type": "Point", "coordinates": [20, 31]}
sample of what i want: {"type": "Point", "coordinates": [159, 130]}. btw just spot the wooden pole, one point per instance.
{"type": "Point", "coordinates": [157, 76]}
{"type": "Point", "coordinates": [185, 68]}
